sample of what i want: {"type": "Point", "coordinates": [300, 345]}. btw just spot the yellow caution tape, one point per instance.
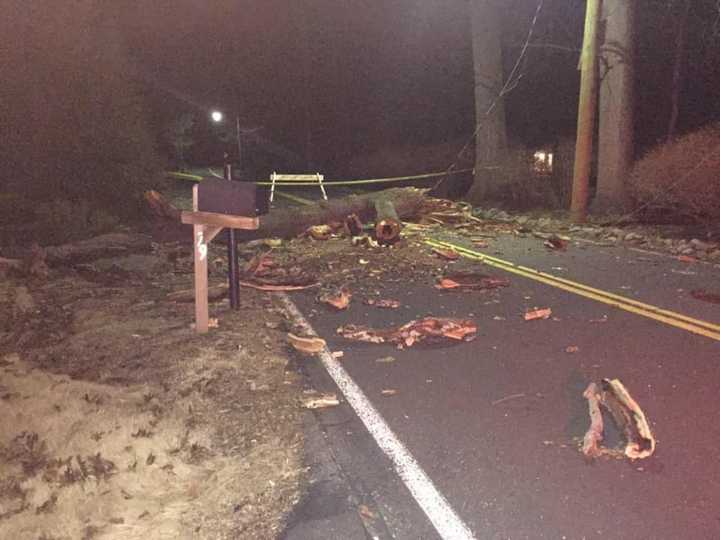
{"type": "Point", "coordinates": [194, 177]}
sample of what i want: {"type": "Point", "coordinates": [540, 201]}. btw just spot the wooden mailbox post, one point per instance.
{"type": "Point", "coordinates": [217, 204]}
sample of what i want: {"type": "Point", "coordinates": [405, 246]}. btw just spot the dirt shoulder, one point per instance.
{"type": "Point", "coordinates": [121, 422]}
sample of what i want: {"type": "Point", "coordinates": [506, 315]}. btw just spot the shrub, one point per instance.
{"type": "Point", "coordinates": [681, 177]}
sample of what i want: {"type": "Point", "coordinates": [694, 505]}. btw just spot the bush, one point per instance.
{"type": "Point", "coordinates": [681, 178]}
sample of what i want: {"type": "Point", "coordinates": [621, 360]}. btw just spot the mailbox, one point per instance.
{"type": "Point", "coordinates": [233, 198]}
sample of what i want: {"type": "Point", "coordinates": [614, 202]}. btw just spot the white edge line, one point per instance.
{"type": "Point", "coordinates": [436, 507]}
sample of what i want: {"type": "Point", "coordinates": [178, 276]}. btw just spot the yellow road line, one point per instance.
{"type": "Point", "coordinates": [678, 320]}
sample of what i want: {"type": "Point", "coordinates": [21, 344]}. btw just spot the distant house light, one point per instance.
{"type": "Point", "coordinates": [216, 116]}
{"type": "Point", "coordinates": [543, 162]}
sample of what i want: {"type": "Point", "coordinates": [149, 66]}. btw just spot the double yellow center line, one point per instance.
{"type": "Point", "coordinates": [678, 320]}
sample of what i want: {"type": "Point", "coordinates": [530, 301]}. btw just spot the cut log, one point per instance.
{"type": "Point", "coordinates": [387, 223]}
{"type": "Point", "coordinates": [284, 224]}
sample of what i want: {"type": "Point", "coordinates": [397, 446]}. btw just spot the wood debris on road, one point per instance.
{"type": "Point", "coordinates": [612, 395]}
{"type": "Point", "coordinates": [321, 401]}
{"type": "Point", "coordinates": [534, 314]}
{"type": "Point", "coordinates": [306, 345]}
{"type": "Point", "coordinates": [427, 329]}
{"type": "Point", "coordinates": [471, 280]}
{"type": "Point", "coordinates": [337, 298]}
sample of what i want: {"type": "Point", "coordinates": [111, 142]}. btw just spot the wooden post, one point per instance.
{"type": "Point", "coordinates": [586, 114]}
{"type": "Point", "coordinates": [202, 236]}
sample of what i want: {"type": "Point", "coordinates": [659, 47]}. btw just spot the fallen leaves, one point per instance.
{"type": "Point", "coordinates": [536, 313]}
{"type": "Point", "coordinates": [306, 345]}
{"type": "Point", "coordinates": [427, 329]}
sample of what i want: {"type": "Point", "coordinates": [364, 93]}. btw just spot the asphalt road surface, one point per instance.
{"type": "Point", "coordinates": [488, 430]}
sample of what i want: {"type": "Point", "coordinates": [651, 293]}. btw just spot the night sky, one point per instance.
{"type": "Point", "coordinates": [340, 78]}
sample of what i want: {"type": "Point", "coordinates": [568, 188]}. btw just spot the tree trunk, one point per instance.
{"type": "Point", "coordinates": [678, 68]}
{"type": "Point", "coordinates": [490, 129]}
{"type": "Point", "coordinates": [617, 71]}
{"type": "Point", "coordinates": [281, 223]}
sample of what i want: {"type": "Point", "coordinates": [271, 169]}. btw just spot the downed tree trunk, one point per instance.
{"type": "Point", "coordinates": [281, 223]}
{"type": "Point", "coordinates": [105, 245]}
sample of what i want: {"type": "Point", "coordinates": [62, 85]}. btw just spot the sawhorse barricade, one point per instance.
{"type": "Point", "coordinates": [282, 178]}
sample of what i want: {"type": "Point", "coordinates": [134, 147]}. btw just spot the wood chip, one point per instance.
{"type": "Point", "coordinates": [448, 254]}
{"type": "Point", "coordinates": [321, 401]}
{"type": "Point", "coordinates": [544, 313]}
{"type": "Point", "coordinates": [306, 345]}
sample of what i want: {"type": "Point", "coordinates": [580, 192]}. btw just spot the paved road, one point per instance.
{"type": "Point", "coordinates": [494, 423]}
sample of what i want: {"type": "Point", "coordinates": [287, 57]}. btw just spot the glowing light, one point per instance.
{"type": "Point", "coordinates": [216, 116]}
{"type": "Point", "coordinates": [543, 162]}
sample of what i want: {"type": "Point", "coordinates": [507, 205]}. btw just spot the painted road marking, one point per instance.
{"type": "Point", "coordinates": [672, 318]}
{"type": "Point", "coordinates": [436, 507]}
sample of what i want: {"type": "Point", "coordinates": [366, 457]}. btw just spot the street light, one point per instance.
{"type": "Point", "coordinates": [216, 116]}
{"type": "Point", "coordinates": [233, 263]}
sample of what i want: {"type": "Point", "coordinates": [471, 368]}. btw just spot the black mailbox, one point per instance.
{"type": "Point", "coordinates": [231, 197]}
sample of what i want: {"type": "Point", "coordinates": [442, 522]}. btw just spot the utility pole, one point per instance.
{"type": "Point", "coordinates": [586, 114]}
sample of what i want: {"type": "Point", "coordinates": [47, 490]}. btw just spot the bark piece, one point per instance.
{"type": "Point", "coordinates": [612, 395]}
{"type": "Point", "coordinates": [630, 417]}
{"type": "Point", "coordinates": [538, 314]}
{"type": "Point", "coordinates": [447, 254]}
{"type": "Point", "coordinates": [321, 401]}
{"type": "Point", "coordinates": [429, 329]}
{"type": "Point", "coordinates": [594, 436]}
{"type": "Point", "coordinates": [470, 281]}
{"type": "Point", "coordinates": [306, 345]}
{"type": "Point", "coordinates": [337, 298]}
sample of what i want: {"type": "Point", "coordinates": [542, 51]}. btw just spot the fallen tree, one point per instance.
{"type": "Point", "coordinates": [283, 224]}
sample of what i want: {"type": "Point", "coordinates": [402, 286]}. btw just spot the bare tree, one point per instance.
{"type": "Point", "coordinates": [617, 71]}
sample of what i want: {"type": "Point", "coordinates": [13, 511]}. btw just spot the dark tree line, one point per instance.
{"type": "Point", "coordinates": [73, 115]}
